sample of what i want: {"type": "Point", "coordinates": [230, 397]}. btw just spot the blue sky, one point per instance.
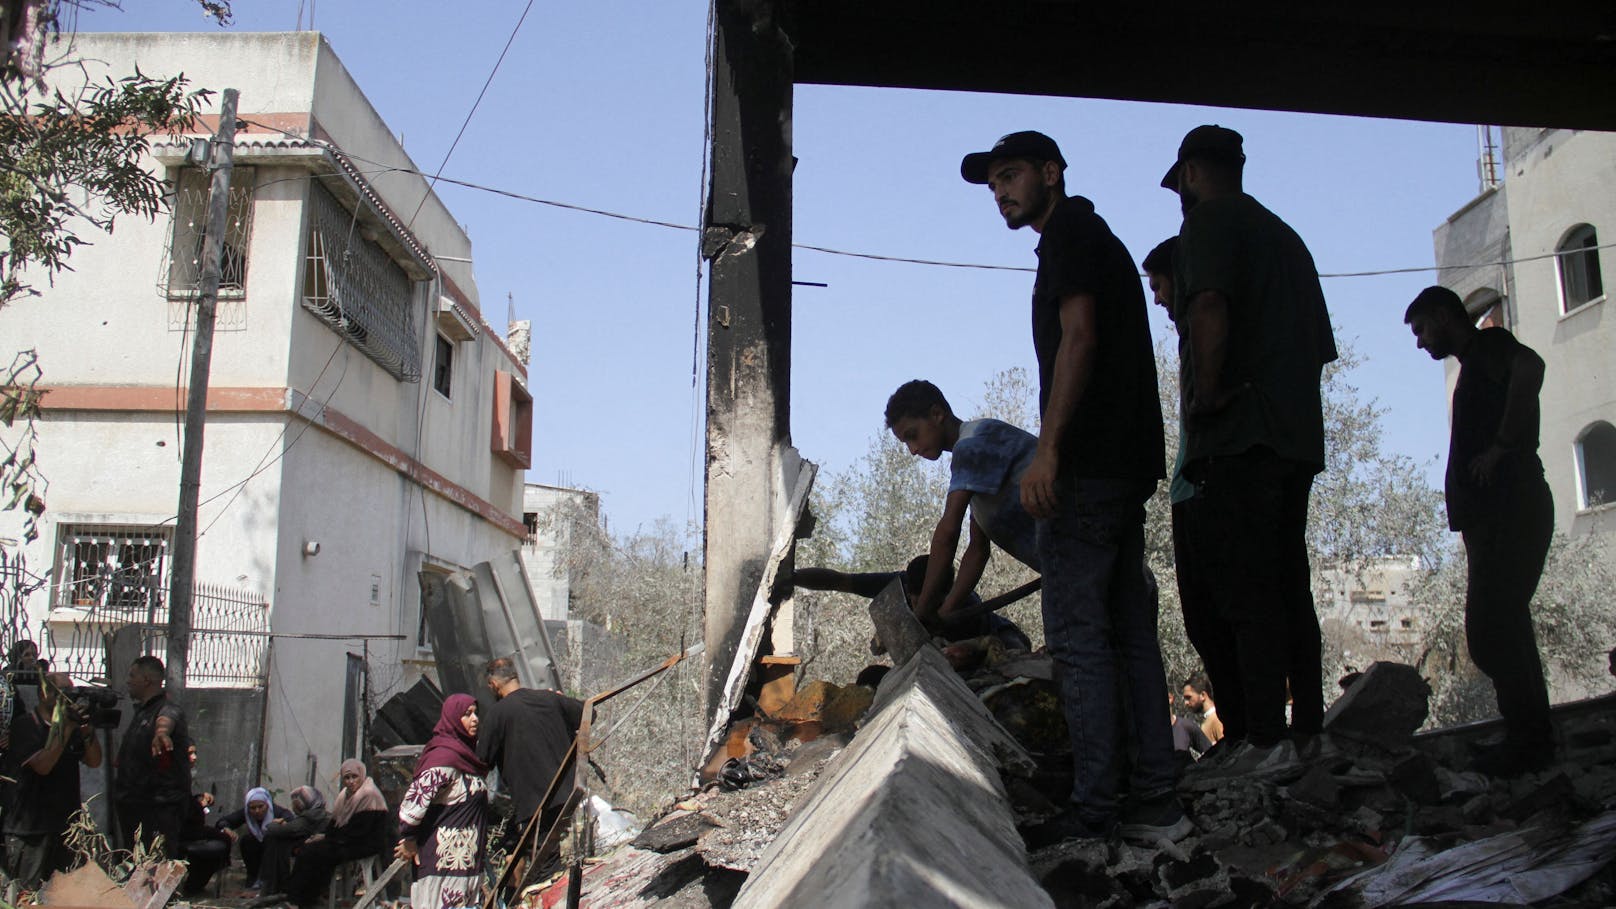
{"type": "Point", "coordinates": [601, 104]}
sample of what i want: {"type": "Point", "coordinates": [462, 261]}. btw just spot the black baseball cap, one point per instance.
{"type": "Point", "coordinates": [1026, 144]}
{"type": "Point", "coordinates": [1209, 141]}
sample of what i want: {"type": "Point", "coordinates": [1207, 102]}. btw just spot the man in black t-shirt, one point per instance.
{"type": "Point", "coordinates": [527, 735]}
{"type": "Point", "coordinates": [1501, 506]}
{"type": "Point", "coordinates": [1098, 458]}
{"type": "Point", "coordinates": [48, 744]}
{"type": "Point", "coordinates": [153, 780]}
{"type": "Point", "coordinates": [1256, 336]}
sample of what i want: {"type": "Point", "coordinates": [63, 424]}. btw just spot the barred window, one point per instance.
{"type": "Point", "coordinates": [182, 275]}
{"type": "Point", "coordinates": [116, 567]}
{"type": "Point", "coordinates": [352, 285]}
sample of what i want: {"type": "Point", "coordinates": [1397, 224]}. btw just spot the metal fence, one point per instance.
{"type": "Point", "coordinates": [229, 645]}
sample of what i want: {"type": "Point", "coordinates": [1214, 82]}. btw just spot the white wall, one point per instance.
{"type": "Point", "coordinates": [1566, 178]}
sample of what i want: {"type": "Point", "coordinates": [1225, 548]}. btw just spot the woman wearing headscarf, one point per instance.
{"type": "Point", "coordinates": [257, 810]}
{"type": "Point", "coordinates": [443, 823]}
{"type": "Point", "coordinates": [283, 836]}
{"type": "Point", "coordinates": [361, 826]}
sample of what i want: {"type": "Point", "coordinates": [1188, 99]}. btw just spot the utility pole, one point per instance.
{"type": "Point", "coordinates": [182, 573]}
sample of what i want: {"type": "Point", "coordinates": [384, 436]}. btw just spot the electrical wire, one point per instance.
{"type": "Point", "coordinates": [878, 257]}
{"type": "Point", "coordinates": [471, 113]}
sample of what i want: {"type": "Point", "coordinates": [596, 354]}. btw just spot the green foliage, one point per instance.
{"type": "Point", "coordinates": [644, 591]}
{"type": "Point", "coordinates": [70, 161]}
{"type": "Point", "coordinates": [1569, 616]}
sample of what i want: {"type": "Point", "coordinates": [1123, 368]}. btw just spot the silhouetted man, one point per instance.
{"type": "Point", "coordinates": [1258, 336]}
{"type": "Point", "coordinates": [1501, 506]}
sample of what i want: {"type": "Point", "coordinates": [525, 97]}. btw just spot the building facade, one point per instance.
{"type": "Point", "coordinates": [1531, 254]}
{"type": "Point", "coordinates": [364, 423]}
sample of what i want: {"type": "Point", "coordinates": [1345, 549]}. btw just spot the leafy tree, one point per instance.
{"type": "Point", "coordinates": [642, 592]}
{"type": "Point", "coordinates": [71, 164]}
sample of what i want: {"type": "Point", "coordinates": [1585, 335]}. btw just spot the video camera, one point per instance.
{"type": "Point", "coordinates": [94, 706]}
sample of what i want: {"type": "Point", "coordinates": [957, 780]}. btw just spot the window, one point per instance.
{"type": "Point", "coordinates": [1578, 257]}
{"type": "Point", "coordinates": [1486, 308]}
{"type": "Point", "coordinates": [352, 285]}
{"type": "Point", "coordinates": [513, 421]}
{"type": "Point", "coordinates": [183, 276]}
{"type": "Point", "coordinates": [114, 567]}
{"type": "Point", "coordinates": [1596, 465]}
{"type": "Point", "coordinates": [443, 367]}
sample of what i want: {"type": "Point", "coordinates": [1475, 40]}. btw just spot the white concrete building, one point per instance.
{"type": "Point", "coordinates": [1373, 600]}
{"type": "Point", "coordinates": [364, 422]}
{"type": "Point", "coordinates": [1553, 217]}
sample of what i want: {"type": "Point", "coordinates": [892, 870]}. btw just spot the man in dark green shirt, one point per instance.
{"type": "Point", "coordinates": [1258, 335]}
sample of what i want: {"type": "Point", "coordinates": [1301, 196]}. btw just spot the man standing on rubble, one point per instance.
{"type": "Point", "coordinates": [528, 736]}
{"type": "Point", "coordinates": [1098, 458]}
{"type": "Point", "coordinates": [1257, 335]}
{"type": "Point", "coordinates": [1500, 503]}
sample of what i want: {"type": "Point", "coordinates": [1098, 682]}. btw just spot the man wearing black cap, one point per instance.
{"type": "Point", "coordinates": [1258, 335]}
{"type": "Point", "coordinates": [1098, 458]}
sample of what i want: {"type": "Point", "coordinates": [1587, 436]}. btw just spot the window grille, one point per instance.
{"type": "Point", "coordinates": [352, 285]}
{"type": "Point", "coordinates": [181, 275]}
{"type": "Point", "coordinates": [117, 568]}
{"type": "Point", "coordinates": [1580, 280]}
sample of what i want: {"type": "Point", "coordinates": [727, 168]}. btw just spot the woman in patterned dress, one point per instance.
{"type": "Point", "coordinates": [443, 822]}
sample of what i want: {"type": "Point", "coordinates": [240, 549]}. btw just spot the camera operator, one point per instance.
{"type": "Point", "coordinates": [49, 742]}
{"type": "Point", "coordinates": [153, 780]}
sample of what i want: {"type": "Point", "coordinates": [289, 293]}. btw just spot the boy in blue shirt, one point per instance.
{"type": "Point", "coordinates": [989, 458]}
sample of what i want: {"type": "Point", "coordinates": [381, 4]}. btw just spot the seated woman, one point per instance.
{"type": "Point", "coordinates": [257, 810]}
{"type": "Point", "coordinates": [361, 826]}
{"type": "Point", "coordinates": [283, 837]}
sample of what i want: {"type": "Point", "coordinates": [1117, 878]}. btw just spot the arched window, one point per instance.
{"type": "Point", "coordinates": [1596, 464]}
{"type": "Point", "coordinates": [1578, 257]}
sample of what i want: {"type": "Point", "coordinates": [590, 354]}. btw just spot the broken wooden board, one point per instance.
{"type": "Point", "coordinates": [379, 885]}
{"type": "Point", "coordinates": [757, 619]}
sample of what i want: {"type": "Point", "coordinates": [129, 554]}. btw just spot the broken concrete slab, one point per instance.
{"type": "Point", "coordinates": [912, 813]}
{"type": "Point", "coordinates": [1385, 705]}
{"type": "Point", "coordinates": [87, 887]}
{"type": "Point", "coordinates": [896, 626]}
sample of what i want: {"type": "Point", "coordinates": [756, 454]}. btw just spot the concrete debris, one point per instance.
{"type": "Point", "coordinates": [921, 805]}
{"type": "Point", "coordinates": [85, 887]}
{"type": "Point", "coordinates": [1385, 705]}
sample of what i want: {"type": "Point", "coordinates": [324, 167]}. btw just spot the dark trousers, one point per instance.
{"type": "Point", "coordinates": [1249, 534]}
{"type": "Point", "coordinates": [1100, 628]}
{"type": "Point", "coordinates": [1209, 634]}
{"type": "Point", "coordinates": [31, 858]}
{"type": "Point", "coordinates": [152, 820]}
{"type": "Point", "coordinates": [1505, 557]}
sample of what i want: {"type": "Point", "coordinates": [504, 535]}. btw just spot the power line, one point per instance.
{"type": "Point", "coordinates": [471, 113]}
{"type": "Point", "coordinates": [877, 257]}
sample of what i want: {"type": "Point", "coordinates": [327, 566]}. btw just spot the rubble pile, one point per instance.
{"type": "Point", "coordinates": [1373, 815]}
{"type": "Point", "coordinates": [1378, 817]}
{"type": "Point", "coordinates": [697, 855]}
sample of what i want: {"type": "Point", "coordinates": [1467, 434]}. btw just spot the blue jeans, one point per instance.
{"type": "Point", "coordinates": [1100, 627]}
